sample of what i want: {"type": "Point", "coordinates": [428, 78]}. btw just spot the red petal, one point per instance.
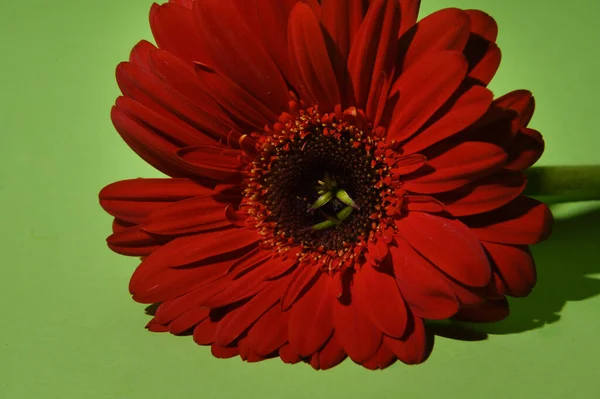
{"type": "Point", "coordinates": [182, 78]}
{"type": "Point", "coordinates": [269, 25]}
{"type": "Point", "coordinates": [133, 200]}
{"type": "Point", "coordinates": [355, 331]}
{"type": "Point", "coordinates": [423, 89]}
{"type": "Point", "coordinates": [483, 25]}
{"type": "Point", "coordinates": [316, 78]}
{"type": "Point", "coordinates": [460, 112]}
{"type": "Point", "coordinates": [373, 55]}
{"type": "Point", "coordinates": [380, 298]}
{"type": "Point", "coordinates": [409, 164]}
{"type": "Point", "coordinates": [301, 280]}
{"type": "Point", "coordinates": [172, 308]}
{"type": "Point", "coordinates": [483, 67]}
{"type": "Point", "coordinates": [331, 355]}
{"type": "Point", "coordinates": [310, 317]}
{"type": "Point", "coordinates": [449, 245]}
{"type": "Point", "coordinates": [382, 359]}
{"type": "Point", "coordinates": [151, 147]}
{"type": "Point", "coordinates": [409, 12]}
{"type": "Point", "coordinates": [190, 249]}
{"type": "Point", "coordinates": [158, 285]}
{"type": "Point", "coordinates": [516, 267]}
{"type": "Point", "coordinates": [239, 320]}
{"type": "Point", "coordinates": [236, 53]}
{"type": "Point", "coordinates": [181, 120]}
{"type": "Point", "coordinates": [447, 29]}
{"type": "Point", "coordinates": [245, 285]}
{"type": "Point", "coordinates": [422, 203]}
{"type": "Point", "coordinates": [174, 29]}
{"type": "Point", "coordinates": [525, 150]}
{"type": "Point", "coordinates": [133, 241]}
{"type": "Point", "coordinates": [522, 105]}
{"type": "Point", "coordinates": [188, 216]}
{"type": "Point", "coordinates": [341, 21]}
{"type": "Point", "coordinates": [221, 352]}
{"type": "Point", "coordinates": [413, 349]}
{"type": "Point", "coordinates": [155, 327]}
{"type": "Point", "coordinates": [485, 194]}
{"type": "Point", "coordinates": [185, 3]}
{"type": "Point", "coordinates": [242, 105]}
{"type": "Point", "coordinates": [287, 355]}
{"type": "Point", "coordinates": [481, 50]}
{"type": "Point", "coordinates": [458, 166]}
{"type": "Point", "coordinates": [377, 250]}
{"type": "Point", "coordinates": [204, 333]}
{"type": "Point", "coordinates": [188, 320]}
{"type": "Point", "coordinates": [212, 162]}
{"type": "Point", "coordinates": [421, 284]}
{"type": "Point", "coordinates": [140, 53]}
{"type": "Point", "coordinates": [524, 221]}
{"type": "Point", "coordinates": [269, 333]}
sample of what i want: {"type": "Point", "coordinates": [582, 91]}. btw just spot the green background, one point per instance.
{"type": "Point", "coordinates": [68, 327]}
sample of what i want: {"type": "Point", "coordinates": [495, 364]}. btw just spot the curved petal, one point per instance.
{"type": "Point", "coordinates": [133, 200]}
{"type": "Point", "coordinates": [148, 144]}
{"type": "Point", "coordinates": [382, 359]}
{"type": "Point", "coordinates": [316, 78]}
{"type": "Point", "coordinates": [446, 29]}
{"type": "Point", "coordinates": [373, 55]}
{"type": "Point", "coordinates": [525, 150]}
{"type": "Point", "coordinates": [212, 162]}
{"type": "Point", "coordinates": [331, 355]}
{"type": "Point", "coordinates": [140, 53]}
{"type": "Point", "coordinates": [152, 284]}
{"type": "Point", "coordinates": [523, 221]}
{"type": "Point", "coordinates": [310, 323]}
{"type": "Point", "coordinates": [269, 25]}
{"type": "Point", "coordinates": [188, 320]}
{"type": "Point", "coordinates": [341, 20]}
{"type": "Point", "coordinates": [133, 241]}
{"type": "Point", "coordinates": [235, 52]}
{"type": "Point", "coordinates": [409, 12]}
{"type": "Point", "coordinates": [380, 298]}
{"type": "Point", "coordinates": [301, 280]}
{"type": "Point", "coordinates": [427, 295]}
{"type": "Point", "coordinates": [243, 107]}
{"type": "Point", "coordinates": [174, 29]}
{"type": "Point", "coordinates": [460, 111]}
{"type": "Point", "coordinates": [269, 333]}
{"type": "Point", "coordinates": [485, 194]}
{"type": "Point", "coordinates": [193, 215]}
{"type": "Point", "coordinates": [422, 90]}
{"type": "Point", "coordinates": [456, 167]}
{"type": "Point", "coordinates": [449, 245]}
{"type": "Point", "coordinates": [355, 331]}
{"type": "Point", "coordinates": [481, 50]}
{"type": "Point", "coordinates": [183, 121]}
{"type": "Point", "coordinates": [413, 348]}
{"type": "Point", "coordinates": [239, 320]}
{"type": "Point", "coordinates": [515, 266]}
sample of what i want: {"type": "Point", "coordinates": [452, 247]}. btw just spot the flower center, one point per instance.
{"type": "Point", "coordinates": [318, 185]}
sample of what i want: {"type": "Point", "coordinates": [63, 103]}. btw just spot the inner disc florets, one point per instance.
{"type": "Point", "coordinates": [304, 157]}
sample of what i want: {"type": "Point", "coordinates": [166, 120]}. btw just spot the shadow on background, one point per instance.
{"type": "Point", "coordinates": [565, 264]}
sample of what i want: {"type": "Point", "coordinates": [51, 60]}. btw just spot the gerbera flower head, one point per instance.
{"type": "Point", "coordinates": [337, 174]}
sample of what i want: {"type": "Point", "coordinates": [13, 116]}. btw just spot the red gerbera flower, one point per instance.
{"type": "Point", "coordinates": [337, 174]}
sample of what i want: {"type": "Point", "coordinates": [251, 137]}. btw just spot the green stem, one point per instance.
{"type": "Point", "coordinates": [564, 183]}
